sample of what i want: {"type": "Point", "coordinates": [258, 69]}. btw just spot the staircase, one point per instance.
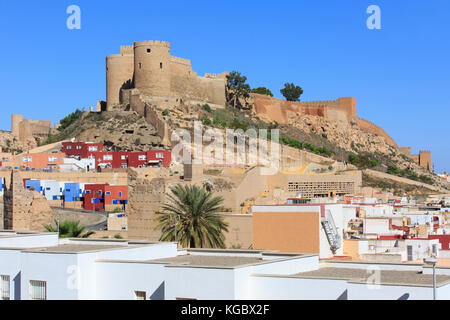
{"type": "Point", "coordinates": [330, 230]}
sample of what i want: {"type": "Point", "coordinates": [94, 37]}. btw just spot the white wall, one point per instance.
{"type": "Point", "coordinates": [52, 268]}
{"type": "Point", "coordinates": [119, 281]}
{"type": "Point", "coordinates": [291, 288]}
{"type": "Point", "coordinates": [29, 241]}
{"type": "Point", "coordinates": [199, 283]}
{"type": "Point", "coordinates": [10, 266]}
{"type": "Point", "coordinates": [362, 291]}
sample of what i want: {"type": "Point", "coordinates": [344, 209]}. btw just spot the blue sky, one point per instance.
{"type": "Point", "coordinates": [399, 74]}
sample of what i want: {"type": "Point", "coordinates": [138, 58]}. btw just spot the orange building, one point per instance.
{"type": "Point", "coordinates": [39, 161]}
{"type": "Point", "coordinates": [287, 228]}
{"type": "Point", "coordinates": [115, 197]}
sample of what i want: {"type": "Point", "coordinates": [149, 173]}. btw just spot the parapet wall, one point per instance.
{"type": "Point", "coordinates": [150, 114]}
{"type": "Point", "coordinates": [343, 109]}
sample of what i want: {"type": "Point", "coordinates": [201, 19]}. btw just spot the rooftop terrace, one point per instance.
{"type": "Point", "coordinates": [393, 277]}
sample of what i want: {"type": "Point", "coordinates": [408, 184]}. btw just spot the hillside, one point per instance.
{"type": "Point", "coordinates": [352, 143]}
{"type": "Point", "coordinates": [123, 129]}
{"type": "Point", "coordinates": [117, 130]}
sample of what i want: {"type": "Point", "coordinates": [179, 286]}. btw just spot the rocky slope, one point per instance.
{"type": "Point", "coordinates": [117, 130]}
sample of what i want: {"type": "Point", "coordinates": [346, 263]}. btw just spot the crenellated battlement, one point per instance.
{"type": "Point", "coordinates": [321, 102]}
{"type": "Point", "coordinates": [152, 43]}
{"type": "Point", "coordinates": [126, 50]}
{"type": "Point", "coordinates": [180, 60]}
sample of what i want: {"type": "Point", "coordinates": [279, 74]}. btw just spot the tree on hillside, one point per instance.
{"type": "Point", "coordinates": [69, 229]}
{"type": "Point", "coordinates": [291, 92]}
{"type": "Point", "coordinates": [190, 217]}
{"type": "Point", "coordinates": [71, 118]}
{"type": "Point", "coordinates": [237, 88]}
{"type": "Point", "coordinates": [262, 90]}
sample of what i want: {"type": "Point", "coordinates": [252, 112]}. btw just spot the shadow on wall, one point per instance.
{"type": "Point", "coordinates": [125, 86]}
{"type": "Point", "coordinates": [159, 293]}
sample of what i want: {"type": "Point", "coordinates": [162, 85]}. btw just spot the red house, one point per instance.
{"type": "Point", "coordinates": [112, 160]}
{"type": "Point", "coordinates": [81, 149]}
{"type": "Point", "coordinates": [115, 197]}
{"type": "Point", "coordinates": [159, 157]}
{"type": "Point", "coordinates": [94, 197]}
{"type": "Point", "coordinates": [137, 159]}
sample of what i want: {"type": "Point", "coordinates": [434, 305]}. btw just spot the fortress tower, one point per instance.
{"type": "Point", "coordinates": [151, 72]}
{"type": "Point", "coordinates": [152, 68]}
{"type": "Point", "coordinates": [16, 119]}
{"type": "Point", "coordinates": [425, 159]}
{"type": "Point", "coordinates": [119, 74]}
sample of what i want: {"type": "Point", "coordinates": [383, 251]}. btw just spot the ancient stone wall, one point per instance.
{"type": "Point", "coordinates": [425, 159]}
{"type": "Point", "coordinates": [273, 109]}
{"type": "Point", "coordinates": [146, 195]}
{"type": "Point", "coordinates": [151, 114]}
{"type": "Point", "coordinates": [25, 209]}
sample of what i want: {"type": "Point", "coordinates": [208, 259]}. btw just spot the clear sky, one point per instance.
{"type": "Point", "coordinates": [400, 74]}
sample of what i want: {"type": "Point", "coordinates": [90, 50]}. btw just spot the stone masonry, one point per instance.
{"type": "Point", "coordinates": [25, 210]}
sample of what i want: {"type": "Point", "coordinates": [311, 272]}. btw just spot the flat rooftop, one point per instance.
{"type": "Point", "coordinates": [215, 261]}
{"type": "Point", "coordinates": [386, 276]}
{"type": "Point", "coordinates": [76, 248]}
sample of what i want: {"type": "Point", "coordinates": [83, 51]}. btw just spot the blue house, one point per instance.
{"type": "Point", "coordinates": [35, 184]}
{"type": "Point", "coordinates": [72, 192]}
{"type": "Point", "coordinates": [2, 186]}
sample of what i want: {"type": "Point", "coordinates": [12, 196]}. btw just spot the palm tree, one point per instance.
{"type": "Point", "coordinates": [193, 211]}
{"type": "Point", "coordinates": [69, 229]}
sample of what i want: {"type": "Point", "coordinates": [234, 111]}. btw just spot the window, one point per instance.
{"type": "Point", "coordinates": [27, 159]}
{"type": "Point", "coordinates": [140, 65]}
{"type": "Point", "coordinates": [52, 159]}
{"type": "Point", "coordinates": [160, 65]}
{"type": "Point", "coordinates": [4, 288]}
{"type": "Point", "coordinates": [88, 191]}
{"type": "Point", "coordinates": [108, 193]}
{"type": "Point", "coordinates": [433, 249]}
{"type": "Point", "coordinates": [142, 157]}
{"type": "Point", "coordinates": [149, 50]}
{"type": "Point", "coordinates": [123, 157]}
{"type": "Point", "coordinates": [93, 148]}
{"type": "Point", "coordinates": [100, 192]}
{"type": "Point", "coordinates": [140, 295]}
{"type": "Point", "coordinates": [120, 194]}
{"type": "Point", "coordinates": [79, 147]}
{"type": "Point", "coordinates": [69, 147]}
{"type": "Point", "coordinates": [107, 157]}
{"type": "Point", "coordinates": [160, 155]}
{"type": "Point", "coordinates": [38, 290]}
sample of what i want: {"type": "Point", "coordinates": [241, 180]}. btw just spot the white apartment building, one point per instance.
{"type": "Point", "coordinates": [41, 266]}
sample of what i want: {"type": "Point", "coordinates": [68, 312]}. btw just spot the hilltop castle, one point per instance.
{"type": "Point", "coordinates": [149, 69]}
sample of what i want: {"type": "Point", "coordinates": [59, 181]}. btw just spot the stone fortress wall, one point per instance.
{"type": "Point", "coordinates": [423, 159]}
{"type": "Point", "coordinates": [148, 67]}
{"type": "Point", "coordinates": [24, 129]}
{"type": "Point", "coordinates": [342, 109]}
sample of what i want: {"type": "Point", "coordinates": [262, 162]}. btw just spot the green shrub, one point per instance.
{"type": "Point", "coordinates": [165, 112]}
{"type": "Point", "coordinates": [71, 118]}
{"type": "Point", "coordinates": [207, 108]}
{"type": "Point", "coordinates": [206, 121]}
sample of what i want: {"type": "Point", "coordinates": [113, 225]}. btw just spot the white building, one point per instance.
{"type": "Point", "coordinates": [52, 190]}
{"type": "Point", "coordinates": [75, 165]}
{"type": "Point", "coordinates": [41, 266]}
